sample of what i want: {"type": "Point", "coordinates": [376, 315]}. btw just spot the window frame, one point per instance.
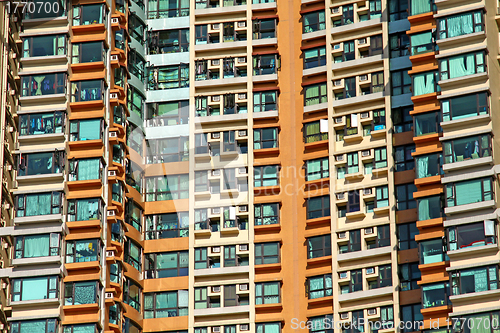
{"type": "Point", "coordinates": [481, 151]}
{"type": "Point", "coordinates": [262, 297]}
{"type": "Point", "coordinates": [154, 308]}
{"type": "Point", "coordinates": [325, 210]}
{"type": "Point", "coordinates": [442, 29]}
{"type": "Point", "coordinates": [445, 74]}
{"type": "Point", "coordinates": [484, 193]}
{"type": "Point", "coordinates": [28, 81]}
{"type": "Point", "coordinates": [153, 272]}
{"type": "Point", "coordinates": [262, 258]}
{"type": "Point", "coordinates": [259, 176]}
{"type": "Point", "coordinates": [19, 293]}
{"type": "Point", "coordinates": [70, 290]}
{"type": "Point", "coordinates": [324, 251]}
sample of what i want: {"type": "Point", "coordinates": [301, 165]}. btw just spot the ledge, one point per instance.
{"type": "Point", "coordinates": [265, 41]}
{"type": "Point", "coordinates": [475, 296]}
{"type": "Point", "coordinates": [51, 177]}
{"type": "Point", "coordinates": [268, 307]}
{"type": "Point", "coordinates": [467, 80]}
{"type": "Point", "coordinates": [220, 46]}
{"type": "Point", "coordinates": [319, 301]}
{"type": "Point", "coordinates": [220, 82]}
{"type": "Point", "coordinates": [365, 294]}
{"type": "Point", "coordinates": [37, 302]}
{"type": "Point", "coordinates": [356, 26]}
{"type": "Point", "coordinates": [221, 271]}
{"type": "Point", "coordinates": [37, 261]}
{"type": "Point", "coordinates": [37, 138]}
{"type": "Point", "coordinates": [470, 207]}
{"type": "Point", "coordinates": [276, 227]}
{"type": "Point", "coordinates": [363, 254]}
{"type": "Point", "coordinates": [220, 10]}
{"type": "Point", "coordinates": [264, 78]}
{"type": "Point", "coordinates": [467, 122]}
{"type": "Point", "coordinates": [265, 114]}
{"type": "Point", "coordinates": [268, 267]}
{"type": "Point", "coordinates": [263, 6]}
{"type": "Point", "coordinates": [447, 167]}
{"type": "Point", "coordinates": [314, 71]}
{"type": "Point", "coordinates": [313, 35]}
{"type": "Point", "coordinates": [319, 260]}
{"type": "Point", "coordinates": [473, 250]}
{"type": "Point", "coordinates": [221, 311]}
{"type": "Point", "coordinates": [316, 107]}
{"type": "Point", "coordinates": [319, 220]}
{"type": "Point", "coordinates": [358, 99]}
{"type": "Point", "coordinates": [38, 219]}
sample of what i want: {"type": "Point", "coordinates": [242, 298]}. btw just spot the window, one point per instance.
{"type": "Point", "coordinates": [435, 294]}
{"type": "Point", "coordinates": [114, 314]}
{"type": "Point", "coordinates": [399, 44]}
{"type": "Point", "coordinates": [268, 327]}
{"type": "Point", "coordinates": [229, 142]}
{"type": "Point", "coordinates": [88, 14]}
{"type": "Point", "coordinates": [229, 180]}
{"type": "Point", "coordinates": [266, 176]}
{"type": "Point", "coordinates": [377, 82]}
{"type": "Point", "coordinates": [266, 214]}
{"type": "Point", "coordinates": [321, 324]}
{"type": "Point", "coordinates": [315, 94]}
{"type": "Point", "coordinates": [169, 41]}
{"type": "Point", "coordinates": [317, 169]}
{"type": "Point", "coordinates": [424, 83]}
{"type": "Point", "coordinates": [398, 10]}
{"type": "Point", "coordinates": [469, 148]}
{"type": "Point", "coordinates": [465, 106]}
{"type": "Point", "coordinates": [411, 314]}
{"type": "Point", "coordinates": [431, 251]}
{"type": "Point", "coordinates": [469, 235]}
{"type": "Point", "coordinates": [380, 160]}
{"type": "Point", "coordinates": [230, 297]}
{"type": "Point", "coordinates": [168, 264]}
{"type": "Point", "coordinates": [57, 9]}
{"type": "Point", "coordinates": [231, 259]}
{"type": "Point", "coordinates": [35, 288]}
{"type": "Point", "coordinates": [420, 6]}
{"type": "Point", "coordinates": [38, 204]}
{"type": "Point", "coordinates": [462, 65]}
{"type": "Point", "coordinates": [313, 21]}
{"type": "Point", "coordinates": [201, 301]}
{"type": "Point", "coordinates": [267, 293]}
{"type": "Point", "coordinates": [133, 254]}
{"type": "Point", "coordinates": [201, 181]}
{"type": "Point", "coordinates": [130, 327]}
{"type": "Point", "coordinates": [86, 129]}
{"type": "Point", "coordinates": [355, 282]}
{"type": "Point", "coordinates": [485, 317]}
{"type": "Point", "coordinates": [421, 43]}
{"type": "Point", "coordinates": [349, 89]}
{"type": "Point", "coordinates": [82, 250]}
{"type": "Point", "coordinates": [409, 275]}
{"type": "Point", "coordinates": [319, 286]}
{"type": "Point", "coordinates": [85, 169]}
{"type": "Point", "coordinates": [375, 9]}
{"type": "Point", "coordinates": [347, 16]}
{"type": "Point", "coordinates": [168, 113]}
{"type": "Point", "coordinates": [383, 238]}
{"type": "Point", "coordinates": [429, 208]}
{"type": "Point", "coordinates": [352, 163]}
{"type": "Point", "coordinates": [469, 191]}
{"type": "Point", "coordinates": [166, 304]}
{"type": "Point", "coordinates": [353, 327]}
{"type": "Point", "coordinates": [353, 201]}
{"type": "Point", "coordinates": [135, 137]}
{"type": "Point", "coordinates": [132, 294]}
{"type": "Point", "coordinates": [32, 246]}
{"type": "Point", "coordinates": [354, 243]}
{"type": "Point", "coordinates": [135, 25]}
{"type": "Point", "coordinates": [43, 46]}
{"type": "Point", "coordinates": [79, 293]}
{"type": "Point", "coordinates": [265, 64]}
{"type": "Point", "coordinates": [403, 158]}
{"type": "Point", "coordinates": [88, 52]}
{"type": "Point", "coordinates": [404, 196]}
{"type": "Point", "coordinates": [319, 246]}
{"type": "Point", "coordinates": [47, 84]}
{"type": "Point", "coordinates": [314, 132]}
{"type": "Point", "coordinates": [84, 209]}
{"type": "Point", "coordinates": [200, 258]}
{"type": "Point", "coordinates": [461, 24]}
{"type": "Point", "coordinates": [201, 144]}
{"type": "Point", "coordinates": [402, 120]}
{"type": "Point", "coordinates": [159, 9]}
{"type": "Point", "coordinates": [136, 64]}
{"type": "Point", "coordinates": [39, 326]}
{"type": "Point", "coordinates": [314, 57]}
{"type": "Point", "coordinates": [401, 82]}
{"type": "Point", "coordinates": [83, 328]}
{"type": "Point", "coordinates": [168, 150]}
{"type": "Point", "coordinates": [41, 123]}
{"type": "Point", "coordinates": [267, 253]}
{"type": "Point", "coordinates": [406, 236]}
{"type": "Point", "coordinates": [41, 163]}
{"type": "Point", "coordinates": [168, 77]}
{"type": "Point", "coordinates": [265, 138]}
{"type": "Point", "coordinates": [163, 226]}
{"type": "Point", "coordinates": [384, 278]}
{"type": "Point", "coordinates": [264, 28]}
{"type": "Point", "coordinates": [85, 91]}
{"type": "Point", "coordinates": [265, 101]}
{"type": "Point", "coordinates": [318, 207]}
{"type": "Point", "coordinates": [474, 280]}
{"type": "Point", "coordinates": [426, 123]}
{"type": "Point", "coordinates": [382, 196]}
{"type": "Point", "coordinates": [170, 187]}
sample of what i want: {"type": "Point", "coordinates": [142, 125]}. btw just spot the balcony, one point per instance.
{"type": "Point", "coordinates": [222, 311]}
{"type": "Point", "coordinates": [222, 271]}
{"type": "Point", "coordinates": [364, 254]}
{"type": "Point", "coordinates": [366, 294]}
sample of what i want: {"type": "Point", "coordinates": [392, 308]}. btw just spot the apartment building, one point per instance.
{"type": "Point", "coordinates": [228, 166]}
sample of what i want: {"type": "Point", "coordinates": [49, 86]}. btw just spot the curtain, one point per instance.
{"type": "Point", "coordinates": [422, 166]}
{"type": "Point", "coordinates": [85, 293]}
{"type": "Point", "coordinates": [36, 246]}
{"type": "Point", "coordinates": [479, 276]}
{"type": "Point", "coordinates": [462, 65]}
{"type": "Point", "coordinates": [423, 83]}
{"type": "Point", "coordinates": [459, 25]}
{"type": "Point", "coordinates": [420, 7]}
{"type": "Point", "coordinates": [38, 204]}
{"type": "Point", "coordinates": [34, 288]}
{"type": "Point", "coordinates": [31, 326]}
{"type": "Point", "coordinates": [269, 214]}
{"type": "Point", "coordinates": [312, 95]}
{"type": "Point", "coordinates": [420, 42]}
{"type": "Point", "coordinates": [88, 169]}
{"type": "Point", "coordinates": [83, 210]}
{"type": "Point", "coordinates": [90, 129]}
{"type": "Point", "coordinates": [468, 192]}
{"type": "Point", "coordinates": [424, 210]}
{"type": "Point", "coordinates": [316, 286]}
{"type": "Point", "coordinates": [88, 328]}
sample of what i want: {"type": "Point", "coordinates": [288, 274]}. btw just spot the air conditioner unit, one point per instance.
{"type": "Point", "coordinates": [365, 115]}
{"type": "Point", "coordinates": [242, 171]}
{"type": "Point", "coordinates": [242, 133]}
{"type": "Point", "coordinates": [244, 327]}
{"type": "Point", "coordinates": [110, 253]}
{"type": "Point", "coordinates": [335, 10]}
{"type": "Point", "coordinates": [337, 83]}
{"type": "Point", "coordinates": [242, 96]}
{"type": "Point", "coordinates": [362, 41]}
{"type": "Point", "coordinates": [215, 26]}
{"type": "Point", "coordinates": [363, 77]}
{"type": "Point", "coordinates": [336, 47]}
{"type": "Point", "coordinates": [10, 129]}
{"type": "Point", "coordinates": [112, 134]}
{"type": "Point", "coordinates": [113, 95]}
{"type": "Point", "coordinates": [216, 329]}
{"type": "Point", "coordinates": [367, 191]}
{"type": "Point", "coordinates": [215, 135]}
{"type": "Point", "coordinates": [339, 158]}
{"type": "Point", "coordinates": [368, 231]}
{"type": "Point", "coordinates": [242, 24]}
{"type": "Point", "coordinates": [114, 20]}
{"type": "Point", "coordinates": [370, 270]}
{"type": "Point", "coordinates": [215, 62]}
{"type": "Point", "coordinates": [215, 249]}
{"type": "Point", "coordinates": [343, 275]}
{"type": "Point", "coordinates": [342, 235]}
{"type": "Point", "coordinates": [365, 153]}
{"type": "Point", "coordinates": [340, 196]}
{"type": "Point", "coordinates": [216, 210]}
{"type": "Point", "coordinates": [216, 289]}
{"type": "Point", "coordinates": [216, 98]}
{"type": "Point", "coordinates": [114, 57]}
{"type": "Point", "coordinates": [344, 315]}
{"type": "Point", "coordinates": [111, 173]}
{"type": "Point", "coordinates": [338, 120]}
{"type": "Point", "coordinates": [243, 209]}
{"type": "Point", "coordinates": [111, 213]}
{"type": "Point", "coordinates": [8, 167]}
{"type": "Point", "coordinates": [243, 247]}
{"type": "Point", "coordinates": [4, 285]}
{"type": "Point", "coordinates": [242, 60]}
{"type": "Point", "coordinates": [108, 295]}
{"type": "Point", "coordinates": [372, 311]}
{"type": "Point", "coordinates": [6, 245]}
{"type": "Point", "coordinates": [244, 287]}
{"type": "Point", "coordinates": [12, 92]}
{"type": "Point", "coordinates": [216, 172]}
{"type": "Point", "coordinates": [6, 206]}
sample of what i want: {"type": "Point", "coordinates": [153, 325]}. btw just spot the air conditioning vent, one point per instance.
{"type": "Point", "coordinates": [216, 289]}
{"type": "Point", "coordinates": [113, 95]}
{"type": "Point", "coordinates": [365, 115]}
{"type": "Point", "coordinates": [243, 209]}
{"type": "Point", "coordinates": [338, 120]}
{"type": "Point", "coordinates": [242, 133]}
{"type": "Point", "coordinates": [242, 60]}
{"type": "Point", "coordinates": [367, 191]}
{"type": "Point", "coordinates": [215, 249]}
{"type": "Point", "coordinates": [242, 24]}
{"type": "Point", "coordinates": [370, 270]}
{"type": "Point", "coordinates": [216, 329]}
{"type": "Point", "coordinates": [216, 98]}
{"type": "Point", "coordinates": [215, 62]}
{"type": "Point", "coordinates": [111, 213]}
{"type": "Point", "coordinates": [215, 135]}
{"type": "Point", "coordinates": [244, 327]}
{"type": "Point", "coordinates": [114, 57]}
{"type": "Point", "coordinates": [111, 173]}
{"type": "Point", "coordinates": [340, 196]}
{"type": "Point", "coordinates": [243, 247]}
{"type": "Point", "coordinates": [242, 171]}
{"type": "Point", "coordinates": [344, 315]}
{"type": "Point", "coordinates": [114, 20]}
{"type": "Point", "coordinates": [362, 41]}
{"type": "Point", "coordinates": [339, 158]}
{"type": "Point", "coordinates": [365, 153]}
{"type": "Point", "coordinates": [363, 77]}
{"type": "Point", "coordinates": [108, 295]}
{"type": "Point", "coordinates": [215, 26]}
{"type": "Point", "coordinates": [335, 10]}
{"type": "Point", "coordinates": [216, 211]}
{"type": "Point", "coordinates": [343, 275]}
{"type": "Point", "coordinates": [368, 231]}
{"type": "Point", "coordinates": [244, 287]}
{"type": "Point", "coordinates": [342, 235]}
{"type": "Point", "coordinates": [112, 134]}
{"type": "Point", "coordinates": [216, 173]}
{"type": "Point", "coordinates": [336, 47]}
{"type": "Point", "coordinates": [372, 312]}
{"type": "Point", "coordinates": [242, 96]}
{"type": "Point", "coordinates": [337, 83]}
{"type": "Point", "coordinates": [110, 253]}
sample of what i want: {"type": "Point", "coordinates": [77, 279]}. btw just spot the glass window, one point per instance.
{"type": "Point", "coordinates": [84, 209]}
{"type": "Point", "coordinates": [354, 243]}
{"type": "Point", "coordinates": [264, 28]}
{"type": "Point", "coordinates": [319, 246]}
{"type": "Point", "coordinates": [402, 120]}
{"type": "Point", "coordinates": [170, 187]}
{"type": "Point", "coordinates": [41, 123]}
{"type": "Point", "coordinates": [38, 204]}
{"type": "Point", "coordinates": [85, 169]}
{"type": "Point", "coordinates": [82, 328]}
{"type": "Point", "coordinates": [265, 64]}
{"type": "Point", "coordinates": [421, 43]}
{"type": "Point", "coordinates": [420, 6]}
{"type": "Point", "coordinates": [399, 43]}
{"type": "Point", "coordinates": [267, 293]}
{"type": "Point", "coordinates": [88, 14]}
{"type": "Point", "coordinates": [317, 169]}
{"type": "Point", "coordinates": [201, 260]}
{"type": "Point", "coordinates": [465, 106]}
{"type": "Point", "coordinates": [470, 327]}
{"type": "Point", "coordinates": [321, 324]}
{"type": "Point", "coordinates": [424, 83]}
{"type": "Point", "coordinates": [314, 57]}
{"type": "Point", "coordinates": [133, 254]}
{"type": "Point", "coordinates": [428, 165]}
{"type": "Point", "coordinates": [167, 113]}
{"type": "Point", "coordinates": [406, 236]}
{"type": "Point", "coordinates": [315, 94]}
{"type": "Point", "coordinates": [168, 77]}
{"type": "Point", "coordinates": [469, 148]}
{"type": "Point", "coordinates": [382, 196]}
{"type": "Point", "coordinates": [32, 246]}
{"type": "Point", "coordinates": [79, 293]}
{"type": "Point", "coordinates": [429, 208]}
{"type": "Point", "coordinates": [435, 294]}
{"type": "Point", "coordinates": [43, 46]}
{"type": "Point", "coordinates": [400, 82]}
{"type": "Point", "coordinates": [51, 9]}
{"type": "Point", "coordinates": [41, 163]}
{"type": "Point", "coordinates": [431, 251]}
{"type": "Point", "coordinates": [265, 138]}
{"type": "Point", "coordinates": [266, 176]}
{"type": "Point", "coordinates": [384, 278]}
{"type": "Point", "coordinates": [136, 64]}
{"type": "Point", "coordinates": [265, 101]}
{"type": "Point", "coordinates": [267, 253]}
{"type": "Point", "coordinates": [267, 328]}
{"type": "Point", "coordinates": [166, 304]}
{"type": "Point", "coordinates": [169, 41]}
{"type": "Point", "coordinates": [136, 27]}
{"type": "Point", "coordinates": [82, 250]}
{"type": "Point", "coordinates": [409, 275]}
{"type": "Point", "coordinates": [167, 150]}
{"type": "Point", "coordinates": [474, 280]}
{"type": "Point", "coordinates": [469, 235]}
{"type": "Point", "coordinates": [398, 10]}
{"type": "Point", "coordinates": [85, 91]}
{"type": "Point", "coordinates": [164, 265]}
{"type": "Point", "coordinates": [170, 225]}
{"type": "Point", "coordinates": [411, 314]}
{"type": "Point", "coordinates": [35, 288]}
{"type": "Point", "coordinates": [39, 326]}
{"type": "Point", "coordinates": [88, 52]}
{"type": "Point", "coordinates": [426, 123]}
{"type": "Point", "coordinates": [462, 65]}
{"type": "Point", "coordinates": [318, 207]}
{"type": "Point", "coordinates": [86, 129]}
{"type": "Point", "coordinates": [403, 158]}
{"type": "Point", "coordinates": [313, 132]}
{"type": "Point", "coordinates": [159, 9]}
{"type": "Point", "coordinates": [461, 24]}
{"type": "Point", "coordinates": [404, 196]}
{"type": "Point", "coordinates": [135, 101]}
{"type": "Point", "coordinates": [313, 21]}
{"type": "Point", "coordinates": [266, 214]}
{"type": "Point", "coordinates": [46, 84]}
{"type": "Point", "coordinates": [469, 191]}
{"type": "Point", "coordinates": [319, 286]}
{"type": "Point", "coordinates": [130, 327]}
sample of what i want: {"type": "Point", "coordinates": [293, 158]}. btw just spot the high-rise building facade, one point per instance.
{"type": "Point", "coordinates": [225, 166]}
